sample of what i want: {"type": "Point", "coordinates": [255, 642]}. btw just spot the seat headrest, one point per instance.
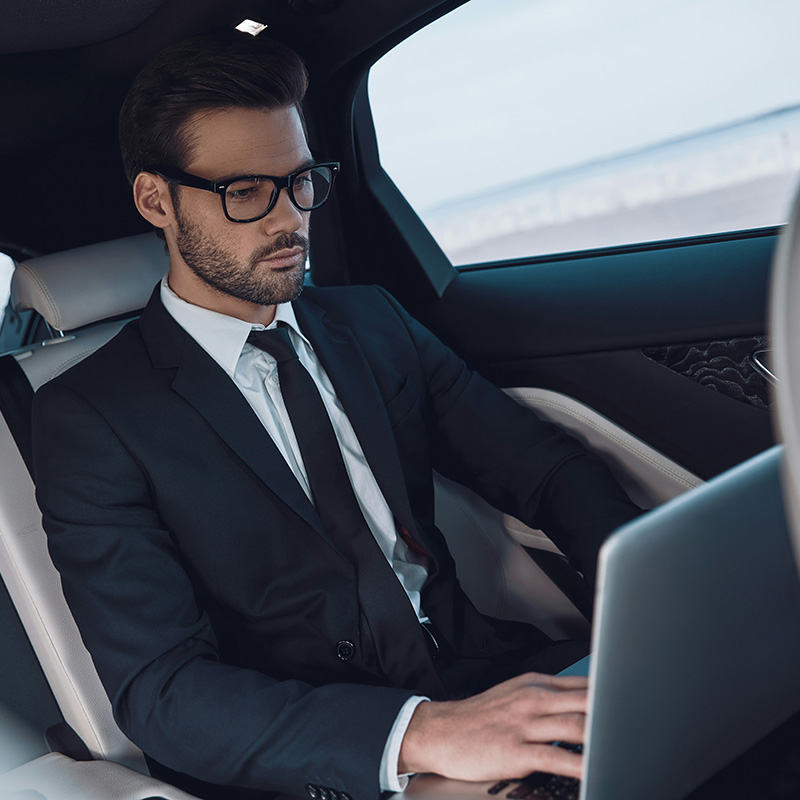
{"type": "Point", "coordinates": [88, 284]}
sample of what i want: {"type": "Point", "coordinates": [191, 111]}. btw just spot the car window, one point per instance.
{"type": "Point", "coordinates": [15, 326]}
{"type": "Point", "coordinates": [6, 271]}
{"type": "Point", "coordinates": [522, 127]}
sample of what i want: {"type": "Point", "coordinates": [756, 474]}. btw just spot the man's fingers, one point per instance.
{"type": "Point", "coordinates": [556, 760]}
{"type": "Point", "coordinates": [540, 758]}
{"type": "Point", "coordinates": [558, 728]}
{"type": "Point", "coordinates": [568, 681]}
{"type": "Point", "coordinates": [538, 701]}
{"type": "Point", "coordinates": [554, 681]}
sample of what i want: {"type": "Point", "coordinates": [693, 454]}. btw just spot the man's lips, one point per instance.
{"type": "Point", "coordinates": [285, 258]}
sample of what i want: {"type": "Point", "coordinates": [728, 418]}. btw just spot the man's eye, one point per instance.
{"type": "Point", "coordinates": [243, 192]}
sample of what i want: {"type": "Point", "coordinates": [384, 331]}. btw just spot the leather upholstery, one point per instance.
{"type": "Point", "coordinates": [70, 290]}
{"type": "Point", "coordinates": [88, 284]}
{"type": "Point", "coordinates": [56, 776]}
{"type": "Point", "coordinates": [784, 334]}
{"type": "Point", "coordinates": [35, 588]}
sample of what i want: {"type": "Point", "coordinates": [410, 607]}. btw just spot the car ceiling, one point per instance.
{"type": "Point", "coordinates": [65, 68]}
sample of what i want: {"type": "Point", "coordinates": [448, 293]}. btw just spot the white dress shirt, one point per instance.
{"type": "Point", "coordinates": [255, 373]}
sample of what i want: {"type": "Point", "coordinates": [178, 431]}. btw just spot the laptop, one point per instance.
{"type": "Point", "coordinates": [695, 646]}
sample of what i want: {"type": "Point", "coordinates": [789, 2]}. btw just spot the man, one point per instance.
{"type": "Point", "coordinates": [262, 617]}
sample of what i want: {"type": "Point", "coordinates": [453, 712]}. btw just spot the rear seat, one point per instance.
{"type": "Point", "coordinates": [86, 294]}
{"type": "Point", "coordinates": [85, 319]}
{"type": "Point", "coordinates": [76, 292]}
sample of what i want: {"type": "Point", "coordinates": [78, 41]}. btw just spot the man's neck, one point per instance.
{"type": "Point", "coordinates": [214, 300]}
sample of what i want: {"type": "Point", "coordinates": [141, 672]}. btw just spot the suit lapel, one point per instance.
{"type": "Point", "coordinates": [347, 367]}
{"type": "Point", "coordinates": [206, 386]}
{"type": "Point", "coordinates": [399, 639]}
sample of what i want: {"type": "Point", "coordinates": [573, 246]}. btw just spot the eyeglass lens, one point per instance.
{"type": "Point", "coordinates": [246, 199]}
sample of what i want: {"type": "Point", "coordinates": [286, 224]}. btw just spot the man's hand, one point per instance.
{"type": "Point", "coordinates": [504, 732]}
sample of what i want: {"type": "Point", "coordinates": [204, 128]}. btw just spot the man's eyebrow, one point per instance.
{"type": "Point", "coordinates": [309, 162]}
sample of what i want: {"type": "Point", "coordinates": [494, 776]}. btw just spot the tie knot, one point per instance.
{"type": "Point", "coordinates": [276, 342]}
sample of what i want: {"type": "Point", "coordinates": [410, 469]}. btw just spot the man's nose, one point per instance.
{"type": "Point", "coordinates": [285, 217]}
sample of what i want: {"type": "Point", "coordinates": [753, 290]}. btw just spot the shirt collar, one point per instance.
{"type": "Point", "coordinates": [220, 335]}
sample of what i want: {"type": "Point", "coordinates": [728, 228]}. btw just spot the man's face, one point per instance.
{"type": "Point", "coordinates": [261, 262]}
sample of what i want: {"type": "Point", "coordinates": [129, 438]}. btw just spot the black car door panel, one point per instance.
{"type": "Point", "coordinates": [657, 338]}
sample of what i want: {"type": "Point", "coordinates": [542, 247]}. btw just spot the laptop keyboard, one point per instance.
{"type": "Point", "coordinates": [539, 786]}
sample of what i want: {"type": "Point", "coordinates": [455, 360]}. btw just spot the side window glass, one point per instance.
{"type": "Point", "coordinates": [14, 326]}
{"type": "Point", "coordinates": [6, 271]}
{"type": "Point", "coordinates": [524, 127]}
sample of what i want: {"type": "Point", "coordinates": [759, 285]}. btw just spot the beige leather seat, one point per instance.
{"type": "Point", "coordinates": [65, 289]}
{"type": "Point", "coordinates": [784, 334]}
{"type": "Point", "coordinates": [85, 295]}
{"type": "Point", "coordinates": [77, 289]}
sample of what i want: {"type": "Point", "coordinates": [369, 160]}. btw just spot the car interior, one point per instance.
{"type": "Point", "coordinates": [654, 353]}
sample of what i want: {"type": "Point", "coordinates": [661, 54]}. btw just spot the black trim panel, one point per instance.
{"type": "Point", "coordinates": [699, 428]}
{"type": "Point", "coordinates": [577, 325]}
{"type": "Point", "coordinates": [684, 293]}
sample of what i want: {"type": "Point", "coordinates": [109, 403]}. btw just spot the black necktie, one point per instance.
{"type": "Point", "coordinates": [386, 607]}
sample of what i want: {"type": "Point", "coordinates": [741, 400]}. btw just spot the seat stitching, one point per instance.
{"type": "Point", "coordinates": [612, 435]}
{"type": "Point", "coordinates": [56, 652]}
{"type": "Point", "coordinates": [40, 283]}
{"type": "Point", "coordinates": [74, 359]}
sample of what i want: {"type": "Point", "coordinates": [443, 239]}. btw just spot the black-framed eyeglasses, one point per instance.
{"type": "Point", "coordinates": [248, 198]}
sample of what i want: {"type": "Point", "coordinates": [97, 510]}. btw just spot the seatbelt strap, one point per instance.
{"type": "Point", "coordinates": [16, 399]}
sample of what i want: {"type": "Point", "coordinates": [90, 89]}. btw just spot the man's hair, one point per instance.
{"type": "Point", "coordinates": [216, 71]}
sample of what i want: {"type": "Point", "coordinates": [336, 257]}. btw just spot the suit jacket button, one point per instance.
{"type": "Point", "coordinates": [345, 650]}
{"type": "Point", "coordinates": [324, 793]}
{"type": "Point", "coordinates": [313, 791]}
{"type": "Point", "coordinates": [344, 796]}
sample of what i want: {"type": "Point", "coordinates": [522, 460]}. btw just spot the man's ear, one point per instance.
{"type": "Point", "coordinates": [152, 198]}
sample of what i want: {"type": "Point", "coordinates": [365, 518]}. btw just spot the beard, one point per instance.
{"type": "Point", "coordinates": [248, 280]}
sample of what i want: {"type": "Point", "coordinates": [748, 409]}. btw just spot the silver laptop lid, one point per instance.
{"type": "Point", "coordinates": [696, 642]}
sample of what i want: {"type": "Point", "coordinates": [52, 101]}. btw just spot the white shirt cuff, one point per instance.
{"type": "Point", "coordinates": [390, 781]}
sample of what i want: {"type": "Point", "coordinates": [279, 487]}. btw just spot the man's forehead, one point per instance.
{"type": "Point", "coordinates": [239, 141]}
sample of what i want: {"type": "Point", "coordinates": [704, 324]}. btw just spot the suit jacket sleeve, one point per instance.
{"type": "Point", "coordinates": [522, 465]}
{"type": "Point", "coordinates": [154, 647]}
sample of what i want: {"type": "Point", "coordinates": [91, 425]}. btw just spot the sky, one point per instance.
{"type": "Point", "coordinates": [502, 90]}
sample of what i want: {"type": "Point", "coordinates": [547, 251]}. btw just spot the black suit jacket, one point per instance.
{"type": "Point", "coordinates": [204, 585]}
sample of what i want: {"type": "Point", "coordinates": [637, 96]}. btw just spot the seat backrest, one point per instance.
{"type": "Point", "coordinates": [784, 334]}
{"type": "Point", "coordinates": [81, 293]}
{"type": "Point", "coordinates": [86, 295]}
